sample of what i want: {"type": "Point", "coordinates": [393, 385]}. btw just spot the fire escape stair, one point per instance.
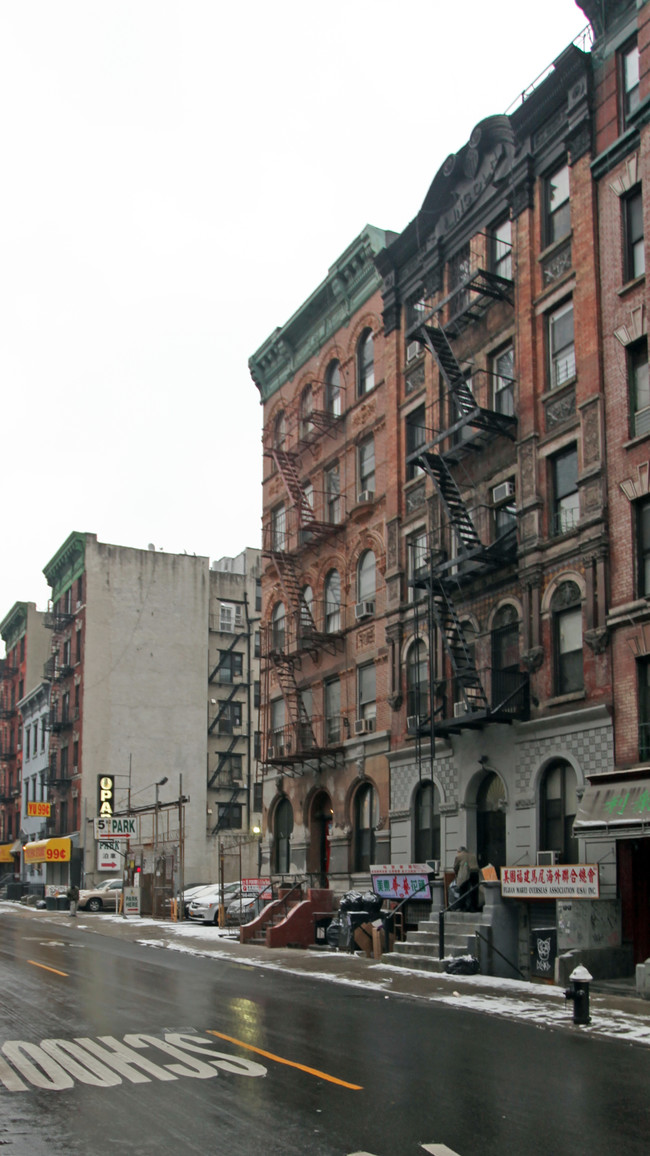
{"type": "Point", "coordinates": [487, 420]}
{"type": "Point", "coordinates": [310, 528]}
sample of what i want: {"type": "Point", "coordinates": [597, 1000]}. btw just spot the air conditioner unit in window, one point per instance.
{"type": "Point", "coordinates": [364, 609]}
{"type": "Point", "coordinates": [503, 491]}
{"type": "Point", "coordinates": [412, 350]}
{"type": "Point", "coordinates": [412, 723]}
{"type": "Point", "coordinates": [366, 496]}
{"type": "Point", "coordinates": [364, 726]}
{"type": "Point", "coordinates": [275, 752]}
{"type": "Point", "coordinates": [460, 709]}
{"type": "Point", "coordinates": [546, 858]}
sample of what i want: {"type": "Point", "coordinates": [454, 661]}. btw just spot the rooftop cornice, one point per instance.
{"type": "Point", "coordinates": [67, 563]}
{"type": "Point", "coordinates": [13, 626]}
{"type": "Point", "coordinates": [351, 280]}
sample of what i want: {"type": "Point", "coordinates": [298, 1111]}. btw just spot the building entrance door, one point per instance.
{"type": "Point", "coordinates": [633, 871]}
{"type": "Point", "coordinates": [320, 830]}
{"type": "Point", "coordinates": [491, 822]}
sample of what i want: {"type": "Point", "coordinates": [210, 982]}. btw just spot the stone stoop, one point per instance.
{"type": "Point", "coordinates": [420, 948]}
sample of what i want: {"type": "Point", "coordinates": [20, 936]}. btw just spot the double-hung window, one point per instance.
{"type": "Point", "coordinates": [332, 711]}
{"type": "Point", "coordinates": [502, 249]}
{"type": "Point", "coordinates": [416, 437]}
{"type": "Point", "coordinates": [566, 609]}
{"type": "Point", "coordinates": [630, 89]}
{"type": "Point", "coordinates": [639, 387]}
{"type": "Point", "coordinates": [558, 206]}
{"type": "Point", "coordinates": [365, 363]}
{"type": "Point", "coordinates": [566, 498]}
{"type": "Point", "coordinates": [333, 494]}
{"type": "Point", "coordinates": [643, 547]}
{"type": "Point", "coordinates": [366, 467]}
{"type": "Point", "coordinates": [561, 345]}
{"type": "Point", "coordinates": [230, 665]}
{"type": "Point", "coordinates": [503, 381]}
{"type": "Point", "coordinates": [634, 250]}
{"type": "Point", "coordinates": [367, 691]}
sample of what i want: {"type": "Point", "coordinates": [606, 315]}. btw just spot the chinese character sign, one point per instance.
{"type": "Point", "coordinates": [410, 881]}
{"type": "Point", "coordinates": [566, 881]}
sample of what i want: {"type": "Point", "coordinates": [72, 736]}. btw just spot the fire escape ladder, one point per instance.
{"type": "Point", "coordinates": [462, 662]}
{"type": "Point", "coordinates": [300, 720]}
{"type": "Point", "coordinates": [224, 815]}
{"type": "Point", "coordinates": [222, 709]}
{"type": "Point", "coordinates": [222, 760]}
{"type": "Point", "coordinates": [469, 413]}
{"type": "Point", "coordinates": [286, 464]}
{"type": "Point", "coordinates": [468, 540]}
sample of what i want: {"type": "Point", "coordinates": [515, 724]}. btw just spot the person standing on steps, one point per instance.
{"type": "Point", "coordinates": [467, 877]}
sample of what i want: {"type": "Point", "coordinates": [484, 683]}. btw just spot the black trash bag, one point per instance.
{"type": "Point", "coordinates": [351, 901]}
{"type": "Point", "coordinates": [465, 965]}
{"type": "Point", "coordinates": [370, 903]}
{"type": "Point", "coordinates": [333, 933]}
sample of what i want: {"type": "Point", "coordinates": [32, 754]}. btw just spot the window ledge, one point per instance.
{"type": "Point", "coordinates": [558, 389]}
{"type": "Point", "coordinates": [636, 441]}
{"type": "Point", "coordinates": [631, 285]}
{"type": "Point", "coordinates": [550, 249]}
{"type": "Point", "coordinates": [561, 699]}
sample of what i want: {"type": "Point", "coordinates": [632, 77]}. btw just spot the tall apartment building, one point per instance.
{"type": "Point", "coordinates": [615, 810]}
{"type": "Point", "coordinates": [456, 651]}
{"type": "Point", "coordinates": [35, 809]}
{"type": "Point", "coordinates": [329, 420]}
{"type": "Point", "coordinates": [233, 704]}
{"type": "Point", "coordinates": [26, 648]}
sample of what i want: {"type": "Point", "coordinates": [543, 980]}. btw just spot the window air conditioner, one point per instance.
{"type": "Point", "coordinates": [412, 350]}
{"type": "Point", "coordinates": [275, 752]}
{"type": "Point", "coordinates": [366, 496]}
{"type": "Point", "coordinates": [546, 858]}
{"type": "Point", "coordinates": [460, 709]}
{"type": "Point", "coordinates": [503, 491]}
{"type": "Point", "coordinates": [412, 723]}
{"type": "Point", "coordinates": [364, 726]}
{"type": "Point", "coordinates": [364, 609]}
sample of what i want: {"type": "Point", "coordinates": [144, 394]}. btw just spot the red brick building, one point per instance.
{"type": "Point", "coordinates": [615, 811]}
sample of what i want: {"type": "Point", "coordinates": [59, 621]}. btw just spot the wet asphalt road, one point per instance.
{"type": "Point", "coordinates": [106, 1046]}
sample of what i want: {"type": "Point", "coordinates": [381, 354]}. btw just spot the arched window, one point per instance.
{"type": "Point", "coordinates": [279, 528]}
{"type": "Point", "coordinates": [306, 412]}
{"type": "Point", "coordinates": [366, 577]}
{"type": "Point", "coordinates": [366, 818]}
{"type": "Point", "coordinates": [491, 821]}
{"type": "Point", "coordinates": [558, 803]}
{"type": "Point", "coordinates": [333, 389]}
{"type": "Point", "coordinates": [417, 681]}
{"type": "Point", "coordinates": [280, 431]}
{"type": "Point", "coordinates": [365, 363]}
{"type": "Point", "coordinates": [278, 627]}
{"type": "Point", "coordinates": [333, 602]}
{"type": "Point", "coordinates": [566, 611]}
{"type": "Point", "coordinates": [427, 823]}
{"type": "Point", "coordinates": [282, 831]}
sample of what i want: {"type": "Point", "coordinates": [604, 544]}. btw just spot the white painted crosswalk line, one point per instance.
{"type": "Point", "coordinates": [438, 1150]}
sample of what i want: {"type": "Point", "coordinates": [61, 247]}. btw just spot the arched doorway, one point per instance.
{"type": "Point", "coordinates": [491, 821]}
{"type": "Point", "coordinates": [282, 830]}
{"type": "Point", "coordinates": [320, 832]}
{"type": "Point", "coordinates": [427, 823]}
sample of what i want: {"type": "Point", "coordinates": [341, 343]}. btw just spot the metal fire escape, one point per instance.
{"type": "Point", "coordinates": [467, 428]}
{"type": "Point", "coordinates": [301, 739]}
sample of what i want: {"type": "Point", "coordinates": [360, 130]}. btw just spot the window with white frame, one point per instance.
{"type": "Point", "coordinates": [630, 81]}
{"type": "Point", "coordinates": [502, 249]}
{"type": "Point", "coordinates": [566, 610]}
{"type": "Point", "coordinates": [333, 494]}
{"type": "Point", "coordinates": [367, 691]}
{"type": "Point", "coordinates": [366, 466]}
{"type": "Point", "coordinates": [333, 602]}
{"type": "Point", "coordinates": [558, 205]}
{"type": "Point", "coordinates": [503, 384]}
{"type": "Point", "coordinates": [365, 363]}
{"type": "Point", "coordinates": [566, 497]}
{"type": "Point", "coordinates": [639, 387]}
{"type": "Point", "coordinates": [366, 577]}
{"type": "Point", "coordinates": [333, 389]}
{"type": "Point", "coordinates": [562, 355]}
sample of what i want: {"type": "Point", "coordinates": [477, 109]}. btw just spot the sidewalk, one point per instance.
{"type": "Point", "coordinates": [612, 1015]}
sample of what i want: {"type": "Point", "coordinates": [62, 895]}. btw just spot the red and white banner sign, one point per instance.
{"type": "Point", "coordinates": [566, 881]}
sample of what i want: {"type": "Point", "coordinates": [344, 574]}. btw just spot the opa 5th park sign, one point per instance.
{"type": "Point", "coordinates": [115, 828]}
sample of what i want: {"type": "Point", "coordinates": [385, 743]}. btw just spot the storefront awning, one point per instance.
{"type": "Point", "coordinates": [47, 851]}
{"type": "Point", "coordinates": [620, 804]}
{"type": "Point", "coordinates": [6, 855]}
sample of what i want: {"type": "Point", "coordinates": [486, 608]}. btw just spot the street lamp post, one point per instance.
{"type": "Point", "coordinates": [159, 783]}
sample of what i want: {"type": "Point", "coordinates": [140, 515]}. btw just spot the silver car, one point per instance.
{"type": "Point", "coordinates": [103, 898]}
{"type": "Point", "coordinates": [205, 907]}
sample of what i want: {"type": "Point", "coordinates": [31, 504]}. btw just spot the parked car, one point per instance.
{"type": "Point", "coordinates": [103, 898]}
{"type": "Point", "coordinates": [205, 907]}
{"type": "Point", "coordinates": [247, 907]}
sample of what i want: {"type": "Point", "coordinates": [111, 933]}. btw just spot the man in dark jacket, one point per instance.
{"type": "Point", "coordinates": [467, 877]}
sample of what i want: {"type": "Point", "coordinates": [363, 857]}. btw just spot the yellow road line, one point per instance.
{"type": "Point", "coordinates": [46, 968]}
{"type": "Point", "coordinates": [289, 1063]}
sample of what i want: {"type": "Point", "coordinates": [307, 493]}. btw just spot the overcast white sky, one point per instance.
{"type": "Point", "coordinates": [177, 178]}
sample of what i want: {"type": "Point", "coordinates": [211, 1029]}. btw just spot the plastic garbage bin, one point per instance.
{"type": "Point", "coordinates": [50, 902]}
{"type": "Point", "coordinates": [62, 903]}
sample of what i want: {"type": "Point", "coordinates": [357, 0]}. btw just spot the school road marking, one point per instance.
{"type": "Point", "coordinates": [434, 1149]}
{"type": "Point", "coordinates": [289, 1063]}
{"type": "Point", "coordinates": [46, 968]}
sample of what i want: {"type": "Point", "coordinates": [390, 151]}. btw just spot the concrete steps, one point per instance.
{"type": "Point", "coordinates": [420, 949]}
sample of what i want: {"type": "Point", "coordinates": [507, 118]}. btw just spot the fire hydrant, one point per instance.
{"type": "Point", "coordinates": [579, 993]}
